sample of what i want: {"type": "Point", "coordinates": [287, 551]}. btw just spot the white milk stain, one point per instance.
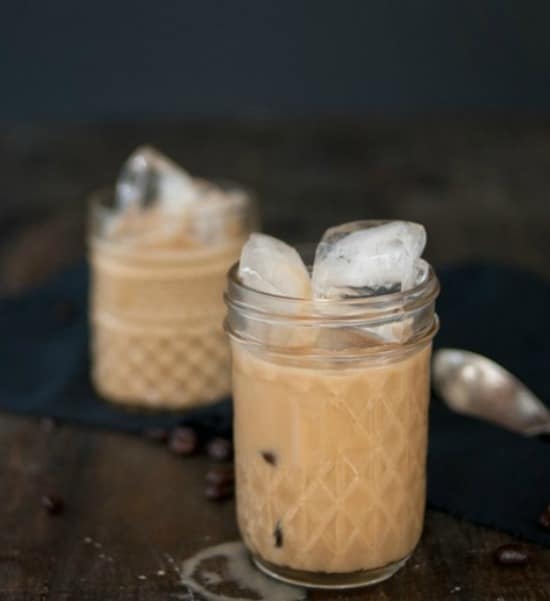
{"type": "Point", "coordinates": [237, 570]}
{"type": "Point", "coordinates": [211, 577]}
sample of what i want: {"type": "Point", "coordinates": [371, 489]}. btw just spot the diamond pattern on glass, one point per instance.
{"type": "Point", "coordinates": [170, 369]}
{"type": "Point", "coordinates": [356, 499]}
{"type": "Point", "coordinates": [157, 325]}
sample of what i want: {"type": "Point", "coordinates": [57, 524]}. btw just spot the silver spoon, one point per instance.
{"type": "Point", "coordinates": [473, 384]}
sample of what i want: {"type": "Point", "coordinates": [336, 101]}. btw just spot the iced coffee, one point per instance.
{"type": "Point", "coordinates": [331, 391]}
{"type": "Point", "coordinates": [160, 246]}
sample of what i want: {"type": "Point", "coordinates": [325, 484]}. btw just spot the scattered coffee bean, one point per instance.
{"type": "Point", "coordinates": [270, 457]}
{"type": "Point", "coordinates": [544, 518]}
{"type": "Point", "coordinates": [220, 475]}
{"type": "Point", "coordinates": [183, 441]}
{"type": "Point", "coordinates": [218, 492]}
{"type": "Point", "coordinates": [52, 504]}
{"type": "Point", "coordinates": [220, 449]}
{"type": "Point", "coordinates": [156, 435]}
{"type": "Point", "coordinates": [47, 424]}
{"type": "Point", "coordinates": [278, 535]}
{"type": "Point", "coordinates": [511, 555]}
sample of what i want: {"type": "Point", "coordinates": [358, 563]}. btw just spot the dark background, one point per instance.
{"type": "Point", "coordinates": [430, 110]}
{"type": "Point", "coordinates": [66, 59]}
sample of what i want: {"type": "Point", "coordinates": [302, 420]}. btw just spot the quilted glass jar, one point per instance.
{"type": "Point", "coordinates": [156, 300]}
{"type": "Point", "coordinates": [331, 416]}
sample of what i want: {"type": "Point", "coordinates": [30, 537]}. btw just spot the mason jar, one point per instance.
{"type": "Point", "coordinates": [331, 421]}
{"type": "Point", "coordinates": [156, 299]}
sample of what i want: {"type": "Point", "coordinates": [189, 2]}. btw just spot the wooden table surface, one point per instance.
{"type": "Point", "coordinates": [480, 186]}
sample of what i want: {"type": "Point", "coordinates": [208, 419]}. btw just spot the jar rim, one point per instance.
{"type": "Point", "coordinates": [242, 206]}
{"type": "Point", "coordinates": [246, 298]}
{"type": "Point", "coordinates": [299, 330]}
{"type": "Point", "coordinates": [101, 199]}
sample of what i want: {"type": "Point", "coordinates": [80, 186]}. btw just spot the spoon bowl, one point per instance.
{"type": "Point", "coordinates": [475, 385]}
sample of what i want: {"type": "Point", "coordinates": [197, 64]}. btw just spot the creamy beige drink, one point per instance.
{"type": "Point", "coordinates": [331, 463]}
{"type": "Point", "coordinates": [157, 317]}
{"type": "Point", "coordinates": [331, 398]}
{"type": "Point", "coordinates": [156, 310]}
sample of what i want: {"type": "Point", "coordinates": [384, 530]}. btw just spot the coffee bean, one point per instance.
{"type": "Point", "coordinates": [183, 441]}
{"type": "Point", "coordinates": [156, 435]}
{"type": "Point", "coordinates": [218, 492]}
{"type": "Point", "coordinates": [53, 504]}
{"type": "Point", "coordinates": [269, 457]}
{"type": "Point", "coordinates": [220, 449]}
{"type": "Point", "coordinates": [544, 518]}
{"type": "Point", "coordinates": [278, 535]}
{"type": "Point", "coordinates": [511, 555]}
{"type": "Point", "coordinates": [221, 475]}
{"type": "Point", "coordinates": [47, 424]}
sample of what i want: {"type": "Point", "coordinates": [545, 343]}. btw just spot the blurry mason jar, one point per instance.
{"type": "Point", "coordinates": [156, 304]}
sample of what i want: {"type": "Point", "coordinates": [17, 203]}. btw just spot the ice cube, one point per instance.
{"type": "Point", "coordinates": [269, 265]}
{"type": "Point", "coordinates": [219, 215]}
{"type": "Point", "coordinates": [149, 178]}
{"type": "Point", "coordinates": [365, 258]}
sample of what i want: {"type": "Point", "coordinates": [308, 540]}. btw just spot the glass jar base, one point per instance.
{"type": "Point", "coordinates": [323, 580]}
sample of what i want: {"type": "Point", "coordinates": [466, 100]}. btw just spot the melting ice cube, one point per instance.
{"type": "Point", "coordinates": [150, 178]}
{"type": "Point", "coordinates": [270, 265]}
{"type": "Point", "coordinates": [362, 258]}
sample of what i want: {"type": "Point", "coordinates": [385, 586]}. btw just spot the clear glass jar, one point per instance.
{"type": "Point", "coordinates": [331, 413]}
{"type": "Point", "coordinates": [156, 305]}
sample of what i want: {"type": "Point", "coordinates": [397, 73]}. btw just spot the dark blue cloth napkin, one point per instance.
{"type": "Point", "coordinates": [475, 470]}
{"type": "Point", "coordinates": [44, 364]}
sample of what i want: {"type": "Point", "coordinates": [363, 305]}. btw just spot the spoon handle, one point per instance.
{"type": "Point", "coordinates": [542, 430]}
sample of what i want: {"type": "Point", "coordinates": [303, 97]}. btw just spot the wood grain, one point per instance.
{"type": "Point", "coordinates": [481, 187]}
